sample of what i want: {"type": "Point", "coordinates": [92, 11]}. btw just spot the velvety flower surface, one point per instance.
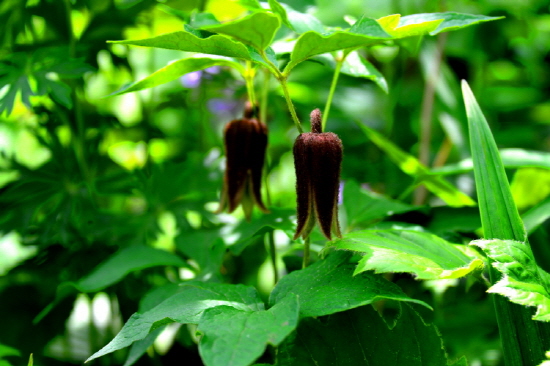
{"type": "Point", "coordinates": [245, 144]}
{"type": "Point", "coordinates": [317, 160]}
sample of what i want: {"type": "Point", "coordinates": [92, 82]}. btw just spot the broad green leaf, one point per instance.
{"type": "Point", "coordinates": [282, 219]}
{"type": "Point", "coordinates": [191, 42]}
{"type": "Point", "coordinates": [205, 247]}
{"type": "Point", "coordinates": [185, 305]}
{"type": "Point", "coordinates": [328, 286]}
{"type": "Point", "coordinates": [177, 69]}
{"type": "Point", "coordinates": [300, 22]}
{"type": "Point", "coordinates": [411, 166]}
{"type": "Point", "coordinates": [312, 43]}
{"type": "Point", "coordinates": [363, 206]}
{"type": "Point", "coordinates": [450, 21]}
{"type": "Point", "coordinates": [361, 337]}
{"type": "Point", "coordinates": [234, 337]}
{"type": "Point", "coordinates": [529, 187]}
{"type": "Point", "coordinates": [355, 65]}
{"type": "Point", "coordinates": [533, 218]}
{"type": "Point", "coordinates": [499, 216]}
{"type": "Point", "coordinates": [139, 348]}
{"type": "Point", "coordinates": [523, 282]}
{"type": "Point", "coordinates": [123, 262]}
{"type": "Point", "coordinates": [392, 25]}
{"type": "Point", "coordinates": [256, 30]}
{"type": "Point", "coordinates": [511, 158]}
{"type": "Point", "coordinates": [425, 255]}
{"type": "Point", "coordinates": [280, 10]}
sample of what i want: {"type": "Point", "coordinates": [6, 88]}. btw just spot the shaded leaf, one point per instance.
{"type": "Point", "coordinates": [236, 338]}
{"type": "Point", "coordinates": [176, 69]}
{"type": "Point", "coordinates": [363, 206]}
{"type": "Point", "coordinates": [533, 218]}
{"type": "Point", "coordinates": [328, 286]}
{"type": "Point", "coordinates": [186, 305]}
{"type": "Point", "coordinates": [139, 348]}
{"type": "Point", "coordinates": [361, 337]}
{"type": "Point", "coordinates": [412, 166]}
{"type": "Point", "coordinates": [256, 30]}
{"type": "Point", "coordinates": [123, 262]}
{"type": "Point", "coordinates": [424, 255]}
{"type": "Point", "coordinates": [523, 281]}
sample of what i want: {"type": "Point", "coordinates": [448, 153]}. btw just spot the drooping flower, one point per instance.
{"type": "Point", "coordinates": [317, 160]}
{"type": "Point", "coordinates": [245, 144]}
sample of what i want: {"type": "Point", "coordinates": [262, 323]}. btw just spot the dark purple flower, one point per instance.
{"type": "Point", "coordinates": [245, 144]}
{"type": "Point", "coordinates": [317, 160]}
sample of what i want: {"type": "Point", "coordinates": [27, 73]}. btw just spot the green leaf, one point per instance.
{"type": "Point", "coordinates": [8, 351]}
{"type": "Point", "coordinates": [529, 187]}
{"type": "Point", "coordinates": [356, 66]}
{"type": "Point", "coordinates": [299, 22]}
{"type": "Point", "coordinates": [312, 43]}
{"type": "Point", "coordinates": [361, 337]}
{"type": "Point", "coordinates": [205, 247]}
{"type": "Point", "coordinates": [499, 216]}
{"type": "Point", "coordinates": [425, 255]}
{"type": "Point", "coordinates": [500, 220]}
{"type": "Point", "coordinates": [237, 338]}
{"type": "Point", "coordinates": [328, 286]}
{"type": "Point", "coordinates": [176, 69]}
{"type": "Point", "coordinates": [186, 305]}
{"type": "Point", "coordinates": [523, 282]}
{"type": "Point", "coordinates": [411, 166]}
{"type": "Point", "coordinates": [192, 42]}
{"type": "Point", "coordinates": [363, 206]}
{"type": "Point", "coordinates": [139, 348]}
{"type": "Point", "coordinates": [256, 30]}
{"type": "Point", "coordinates": [123, 262]}
{"type": "Point", "coordinates": [450, 21]}
{"type": "Point", "coordinates": [282, 219]}
{"type": "Point", "coordinates": [280, 10]}
{"type": "Point", "coordinates": [511, 158]}
{"type": "Point", "coordinates": [533, 218]}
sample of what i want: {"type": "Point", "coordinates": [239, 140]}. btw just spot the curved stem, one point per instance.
{"type": "Point", "coordinates": [307, 243]}
{"type": "Point", "coordinates": [249, 78]}
{"type": "Point", "coordinates": [339, 63]}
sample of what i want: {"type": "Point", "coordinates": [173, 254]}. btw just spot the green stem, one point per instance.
{"type": "Point", "coordinates": [307, 243]}
{"type": "Point", "coordinates": [263, 96]}
{"type": "Point", "coordinates": [339, 63]}
{"type": "Point", "coordinates": [249, 78]}
{"type": "Point", "coordinates": [282, 80]}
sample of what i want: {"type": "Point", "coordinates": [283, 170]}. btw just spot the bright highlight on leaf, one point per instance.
{"type": "Point", "coordinates": [426, 256]}
{"type": "Point", "coordinates": [523, 281]}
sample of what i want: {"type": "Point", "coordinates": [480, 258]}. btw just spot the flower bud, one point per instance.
{"type": "Point", "coordinates": [245, 144]}
{"type": "Point", "coordinates": [317, 160]}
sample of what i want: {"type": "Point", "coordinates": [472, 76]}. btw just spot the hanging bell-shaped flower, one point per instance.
{"type": "Point", "coordinates": [317, 160]}
{"type": "Point", "coordinates": [245, 144]}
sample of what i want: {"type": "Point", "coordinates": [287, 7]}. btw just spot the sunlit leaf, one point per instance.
{"type": "Point", "coordinates": [256, 30]}
{"type": "Point", "coordinates": [234, 337]}
{"type": "Point", "coordinates": [523, 282]}
{"type": "Point", "coordinates": [177, 69]}
{"type": "Point", "coordinates": [530, 186]}
{"type": "Point", "coordinates": [186, 304]}
{"type": "Point", "coordinates": [424, 255]}
{"type": "Point", "coordinates": [450, 21]}
{"type": "Point", "coordinates": [392, 25]}
{"type": "Point", "coordinates": [359, 335]}
{"type": "Point", "coordinates": [125, 261]}
{"type": "Point", "coordinates": [192, 42]}
{"type": "Point", "coordinates": [328, 286]}
{"type": "Point", "coordinates": [299, 22]}
{"type": "Point", "coordinates": [411, 166]}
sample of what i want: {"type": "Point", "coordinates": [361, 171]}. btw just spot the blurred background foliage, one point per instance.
{"type": "Point", "coordinates": [83, 176]}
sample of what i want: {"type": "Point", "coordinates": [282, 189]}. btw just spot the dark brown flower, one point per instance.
{"type": "Point", "coordinates": [317, 160]}
{"type": "Point", "coordinates": [245, 144]}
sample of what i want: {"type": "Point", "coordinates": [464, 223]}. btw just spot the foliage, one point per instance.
{"type": "Point", "coordinates": [112, 249]}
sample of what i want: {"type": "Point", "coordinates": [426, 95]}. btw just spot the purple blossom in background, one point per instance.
{"type": "Point", "coordinates": [341, 193]}
{"type": "Point", "coordinates": [193, 79]}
